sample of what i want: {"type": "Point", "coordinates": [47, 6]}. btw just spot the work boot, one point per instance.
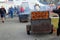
{"type": "Point", "coordinates": [2, 21]}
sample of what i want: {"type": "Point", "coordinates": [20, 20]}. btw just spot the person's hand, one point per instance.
{"type": "Point", "coordinates": [51, 11]}
{"type": "Point", "coordinates": [6, 13]}
{"type": "Point", "coordinates": [58, 7]}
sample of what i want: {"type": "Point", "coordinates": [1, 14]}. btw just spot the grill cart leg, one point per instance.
{"type": "Point", "coordinates": [51, 29]}
{"type": "Point", "coordinates": [28, 28]}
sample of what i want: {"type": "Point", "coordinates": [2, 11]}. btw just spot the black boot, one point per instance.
{"type": "Point", "coordinates": [58, 32]}
{"type": "Point", "coordinates": [2, 21]}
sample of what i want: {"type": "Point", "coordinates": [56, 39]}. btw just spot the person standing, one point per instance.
{"type": "Point", "coordinates": [58, 12]}
{"type": "Point", "coordinates": [17, 10]}
{"type": "Point", "coordinates": [11, 11]}
{"type": "Point", "coordinates": [2, 13]}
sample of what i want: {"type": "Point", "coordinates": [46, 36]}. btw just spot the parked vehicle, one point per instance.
{"type": "Point", "coordinates": [24, 13]}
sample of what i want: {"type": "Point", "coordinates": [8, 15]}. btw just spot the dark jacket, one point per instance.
{"type": "Point", "coordinates": [11, 10]}
{"type": "Point", "coordinates": [2, 11]}
{"type": "Point", "coordinates": [57, 11]}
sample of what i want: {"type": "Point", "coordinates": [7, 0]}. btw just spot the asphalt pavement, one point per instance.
{"type": "Point", "coordinates": [12, 29]}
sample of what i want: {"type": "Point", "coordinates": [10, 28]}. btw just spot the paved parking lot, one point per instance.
{"type": "Point", "coordinates": [12, 29]}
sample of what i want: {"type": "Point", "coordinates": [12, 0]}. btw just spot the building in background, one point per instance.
{"type": "Point", "coordinates": [49, 1]}
{"type": "Point", "coordinates": [8, 3]}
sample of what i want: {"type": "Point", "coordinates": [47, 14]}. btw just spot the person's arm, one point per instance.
{"type": "Point", "coordinates": [56, 11]}
{"type": "Point", "coordinates": [4, 10]}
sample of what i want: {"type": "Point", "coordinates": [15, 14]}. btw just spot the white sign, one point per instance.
{"type": "Point", "coordinates": [2, 1]}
